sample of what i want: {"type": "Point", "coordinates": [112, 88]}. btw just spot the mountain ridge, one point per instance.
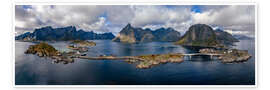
{"type": "Point", "coordinates": [204, 35]}
{"type": "Point", "coordinates": [61, 34]}
{"type": "Point", "coordinates": [130, 34]}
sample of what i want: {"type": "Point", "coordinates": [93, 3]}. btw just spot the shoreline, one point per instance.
{"type": "Point", "coordinates": [142, 61]}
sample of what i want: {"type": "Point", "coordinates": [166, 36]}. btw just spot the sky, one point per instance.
{"type": "Point", "coordinates": [235, 19]}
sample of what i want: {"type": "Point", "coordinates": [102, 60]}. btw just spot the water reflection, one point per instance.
{"type": "Point", "coordinates": [32, 70]}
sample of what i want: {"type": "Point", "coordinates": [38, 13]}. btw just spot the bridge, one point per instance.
{"type": "Point", "coordinates": [202, 54]}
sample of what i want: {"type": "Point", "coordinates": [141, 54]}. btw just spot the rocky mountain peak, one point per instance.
{"type": "Point", "coordinates": [130, 34]}
{"type": "Point", "coordinates": [204, 35]}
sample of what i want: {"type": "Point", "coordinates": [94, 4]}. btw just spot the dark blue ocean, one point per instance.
{"type": "Point", "coordinates": [199, 70]}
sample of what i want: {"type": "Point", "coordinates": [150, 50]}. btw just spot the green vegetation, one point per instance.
{"type": "Point", "coordinates": [45, 50]}
{"type": "Point", "coordinates": [211, 42]}
{"type": "Point", "coordinates": [42, 49]}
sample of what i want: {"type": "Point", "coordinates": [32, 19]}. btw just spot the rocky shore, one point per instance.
{"type": "Point", "coordinates": [229, 55]}
{"type": "Point", "coordinates": [148, 61]}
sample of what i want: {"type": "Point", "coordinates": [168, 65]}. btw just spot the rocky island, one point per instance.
{"type": "Point", "coordinates": [45, 50]}
{"type": "Point", "coordinates": [83, 43]}
{"type": "Point", "coordinates": [80, 45]}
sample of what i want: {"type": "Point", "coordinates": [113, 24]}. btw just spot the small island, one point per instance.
{"type": "Point", "coordinates": [43, 49]}
{"type": "Point", "coordinates": [80, 45]}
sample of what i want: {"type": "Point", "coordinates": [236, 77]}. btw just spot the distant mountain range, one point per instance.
{"type": "Point", "coordinates": [62, 34]}
{"type": "Point", "coordinates": [225, 38]}
{"type": "Point", "coordinates": [242, 37]}
{"type": "Point", "coordinates": [131, 34]}
{"type": "Point", "coordinates": [197, 35]}
{"type": "Point", "coordinates": [204, 35]}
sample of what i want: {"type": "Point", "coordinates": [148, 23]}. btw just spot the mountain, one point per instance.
{"type": "Point", "coordinates": [199, 35]}
{"type": "Point", "coordinates": [130, 34]}
{"type": "Point", "coordinates": [225, 38]}
{"type": "Point", "coordinates": [204, 35]}
{"type": "Point", "coordinates": [166, 35]}
{"type": "Point", "coordinates": [242, 37]}
{"type": "Point", "coordinates": [61, 34]}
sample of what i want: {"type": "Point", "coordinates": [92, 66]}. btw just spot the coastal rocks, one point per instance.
{"type": "Point", "coordinates": [80, 49]}
{"type": "Point", "coordinates": [80, 45]}
{"type": "Point", "coordinates": [229, 55]}
{"type": "Point", "coordinates": [235, 56]}
{"type": "Point", "coordinates": [130, 61]}
{"type": "Point", "coordinates": [83, 43]}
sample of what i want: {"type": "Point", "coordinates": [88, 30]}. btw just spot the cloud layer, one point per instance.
{"type": "Point", "coordinates": [105, 18]}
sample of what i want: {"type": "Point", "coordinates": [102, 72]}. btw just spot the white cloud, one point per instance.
{"type": "Point", "coordinates": [145, 15]}
{"type": "Point", "coordinates": [239, 18]}
{"type": "Point", "coordinates": [114, 17]}
{"type": "Point", "coordinates": [226, 16]}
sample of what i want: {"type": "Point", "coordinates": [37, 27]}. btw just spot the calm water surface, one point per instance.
{"type": "Point", "coordinates": [33, 70]}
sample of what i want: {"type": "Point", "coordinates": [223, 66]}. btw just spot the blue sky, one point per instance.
{"type": "Point", "coordinates": [196, 9]}
{"type": "Point", "coordinates": [113, 18]}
